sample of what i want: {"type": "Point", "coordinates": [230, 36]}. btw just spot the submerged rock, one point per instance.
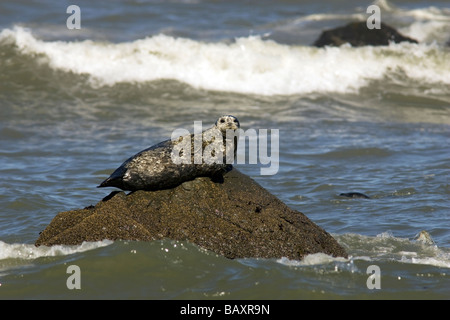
{"type": "Point", "coordinates": [236, 218]}
{"type": "Point", "coordinates": [354, 195]}
{"type": "Point", "coordinates": [357, 34]}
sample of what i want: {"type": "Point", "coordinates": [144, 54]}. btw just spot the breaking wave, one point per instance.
{"type": "Point", "coordinates": [249, 65]}
{"type": "Point", "coordinates": [30, 251]}
{"type": "Point", "coordinates": [383, 247]}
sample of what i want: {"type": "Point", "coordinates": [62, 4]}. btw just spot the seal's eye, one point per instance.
{"type": "Point", "coordinates": [222, 120]}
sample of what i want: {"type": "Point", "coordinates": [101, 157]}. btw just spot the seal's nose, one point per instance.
{"type": "Point", "coordinates": [232, 125]}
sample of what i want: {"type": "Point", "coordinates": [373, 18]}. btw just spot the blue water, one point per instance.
{"type": "Point", "coordinates": [74, 104]}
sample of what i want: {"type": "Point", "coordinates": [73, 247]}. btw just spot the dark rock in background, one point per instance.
{"type": "Point", "coordinates": [354, 195]}
{"type": "Point", "coordinates": [357, 34]}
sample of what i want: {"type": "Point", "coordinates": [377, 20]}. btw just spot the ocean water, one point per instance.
{"type": "Point", "coordinates": [74, 104]}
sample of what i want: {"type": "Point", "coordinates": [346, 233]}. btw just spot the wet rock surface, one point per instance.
{"type": "Point", "coordinates": [236, 218]}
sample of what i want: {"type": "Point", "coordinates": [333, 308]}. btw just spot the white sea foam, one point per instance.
{"type": "Point", "coordinates": [30, 251]}
{"type": "Point", "coordinates": [386, 247]}
{"type": "Point", "coordinates": [383, 247]}
{"type": "Point", "coordinates": [249, 65]}
{"type": "Point", "coordinates": [429, 24]}
{"type": "Point", "coordinates": [311, 260]}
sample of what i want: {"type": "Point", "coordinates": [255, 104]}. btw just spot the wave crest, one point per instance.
{"type": "Point", "coordinates": [248, 65]}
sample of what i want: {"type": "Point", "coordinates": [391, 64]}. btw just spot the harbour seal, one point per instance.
{"type": "Point", "coordinates": [174, 161]}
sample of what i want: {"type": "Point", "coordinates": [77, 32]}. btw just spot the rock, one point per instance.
{"type": "Point", "coordinates": [236, 218]}
{"type": "Point", "coordinates": [357, 34]}
{"type": "Point", "coordinates": [354, 195]}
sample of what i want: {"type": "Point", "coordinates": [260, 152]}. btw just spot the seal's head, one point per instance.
{"type": "Point", "coordinates": [227, 122]}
